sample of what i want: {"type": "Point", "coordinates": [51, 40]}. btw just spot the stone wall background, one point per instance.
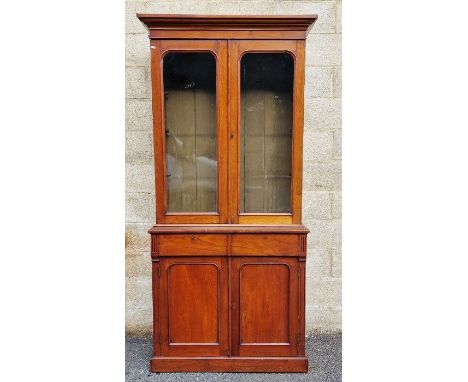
{"type": "Point", "coordinates": [322, 154]}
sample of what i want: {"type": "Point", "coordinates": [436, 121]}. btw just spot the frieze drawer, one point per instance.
{"type": "Point", "coordinates": [267, 245]}
{"type": "Point", "coordinates": [192, 244]}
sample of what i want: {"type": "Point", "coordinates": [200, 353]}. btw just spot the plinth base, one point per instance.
{"type": "Point", "coordinates": [230, 364]}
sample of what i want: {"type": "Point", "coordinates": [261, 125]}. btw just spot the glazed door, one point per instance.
{"type": "Point", "coordinates": [189, 84]}
{"type": "Point", "coordinates": [266, 122]}
{"type": "Point", "coordinates": [264, 306]}
{"type": "Point", "coordinates": [193, 300]}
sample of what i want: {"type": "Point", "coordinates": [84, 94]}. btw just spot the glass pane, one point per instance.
{"type": "Point", "coordinates": [266, 132]}
{"type": "Point", "coordinates": [190, 122]}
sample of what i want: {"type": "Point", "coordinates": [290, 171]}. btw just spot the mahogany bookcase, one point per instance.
{"type": "Point", "coordinates": [228, 250]}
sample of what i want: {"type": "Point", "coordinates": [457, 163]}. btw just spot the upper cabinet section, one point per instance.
{"type": "Point", "coordinates": [228, 95]}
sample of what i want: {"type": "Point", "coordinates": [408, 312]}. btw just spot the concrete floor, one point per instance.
{"type": "Point", "coordinates": [324, 352]}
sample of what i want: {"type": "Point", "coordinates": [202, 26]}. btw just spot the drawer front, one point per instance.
{"type": "Point", "coordinates": [192, 244]}
{"type": "Point", "coordinates": [265, 244]}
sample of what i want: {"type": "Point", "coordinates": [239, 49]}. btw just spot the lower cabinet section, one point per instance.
{"type": "Point", "coordinates": [228, 313]}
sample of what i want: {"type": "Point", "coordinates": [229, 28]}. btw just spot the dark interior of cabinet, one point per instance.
{"type": "Point", "coordinates": [190, 131]}
{"type": "Point", "coordinates": [266, 132]}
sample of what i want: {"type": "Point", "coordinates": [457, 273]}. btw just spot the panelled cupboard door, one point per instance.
{"type": "Point", "coordinates": [189, 87]}
{"type": "Point", "coordinates": [264, 306]}
{"type": "Point", "coordinates": [193, 300]}
{"type": "Point", "coordinates": [266, 97]}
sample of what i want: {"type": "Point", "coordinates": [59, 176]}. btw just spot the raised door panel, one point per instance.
{"type": "Point", "coordinates": [264, 306]}
{"type": "Point", "coordinates": [193, 299]}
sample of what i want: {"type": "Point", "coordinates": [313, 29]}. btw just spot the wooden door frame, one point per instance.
{"type": "Point", "coordinates": [158, 50]}
{"type": "Point", "coordinates": [237, 49]}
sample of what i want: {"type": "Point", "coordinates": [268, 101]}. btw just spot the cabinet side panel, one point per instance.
{"type": "Point", "coordinates": [298, 131]}
{"type": "Point", "coordinates": [158, 130]}
{"type": "Point", "coordinates": [301, 304]}
{"type": "Point", "coordinates": [155, 294]}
